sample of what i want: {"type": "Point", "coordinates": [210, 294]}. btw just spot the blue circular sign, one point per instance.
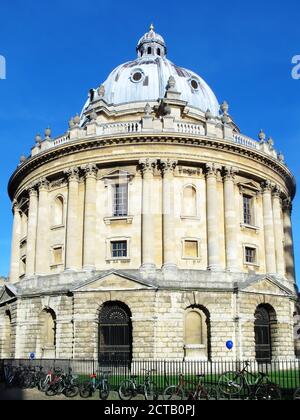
{"type": "Point", "coordinates": [32, 356]}
{"type": "Point", "coordinates": [229, 345]}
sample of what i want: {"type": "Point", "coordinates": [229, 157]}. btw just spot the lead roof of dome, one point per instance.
{"type": "Point", "coordinates": [146, 79]}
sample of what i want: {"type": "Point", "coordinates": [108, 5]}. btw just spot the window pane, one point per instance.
{"type": "Point", "coordinates": [248, 215]}
{"type": "Point", "coordinates": [120, 200]}
{"type": "Point", "coordinates": [250, 255]}
{"type": "Point", "coordinates": [119, 249]}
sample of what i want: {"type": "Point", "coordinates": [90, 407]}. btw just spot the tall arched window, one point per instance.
{"type": "Point", "coordinates": [265, 332]}
{"type": "Point", "coordinates": [149, 50]}
{"type": "Point", "coordinates": [115, 332]}
{"type": "Point", "coordinates": [48, 333]}
{"type": "Point", "coordinates": [189, 204]}
{"type": "Point", "coordinates": [58, 211]}
{"type": "Point", "coordinates": [196, 334]}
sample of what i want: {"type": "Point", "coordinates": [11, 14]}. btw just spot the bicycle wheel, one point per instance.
{"type": "Point", "coordinates": [51, 391]}
{"type": "Point", "coordinates": [85, 390]}
{"type": "Point", "coordinates": [126, 390]}
{"type": "Point", "coordinates": [231, 383]}
{"type": "Point", "coordinates": [104, 390]}
{"type": "Point", "coordinates": [173, 392]}
{"type": "Point", "coordinates": [297, 394]}
{"type": "Point", "coordinates": [268, 392]}
{"type": "Point", "coordinates": [72, 391]}
{"type": "Point", "coordinates": [44, 384]}
{"type": "Point", "coordinates": [150, 391]}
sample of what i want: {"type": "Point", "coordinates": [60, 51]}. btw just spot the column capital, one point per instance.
{"type": "Point", "coordinates": [267, 186]}
{"type": "Point", "coordinates": [15, 206]}
{"type": "Point", "coordinates": [212, 169]}
{"type": "Point", "coordinates": [43, 184]}
{"type": "Point", "coordinates": [229, 173]}
{"type": "Point", "coordinates": [32, 189]}
{"type": "Point", "coordinates": [168, 166]}
{"type": "Point", "coordinates": [147, 166]}
{"type": "Point", "coordinates": [277, 191]}
{"type": "Point", "coordinates": [90, 170]}
{"type": "Point", "coordinates": [72, 174]}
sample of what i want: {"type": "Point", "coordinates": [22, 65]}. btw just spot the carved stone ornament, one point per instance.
{"type": "Point", "coordinates": [72, 174]}
{"type": "Point", "coordinates": [101, 91]}
{"type": "Point", "coordinates": [212, 169]}
{"type": "Point", "coordinates": [168, 165]}
{"type": "Point", "coordinates": [43, 184]}
{"type": "Point", "coordinates": [90, 170]}
{"type": "Point", "coordinates": [147, 165]}
{"type": "Point", "coordinates": [230, 172]}
{"type": "Point", "coordinates": [267, 186]}
{"type": "Point", "coordinates": [171, 83]}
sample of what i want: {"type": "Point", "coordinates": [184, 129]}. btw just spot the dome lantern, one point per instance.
{"type": "Point", "coordinates": [151, 44]}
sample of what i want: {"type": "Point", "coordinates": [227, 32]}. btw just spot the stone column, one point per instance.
{"type": "Point", "coordinates": [32, 231]}
{"type": "Point", "coordinates": [231, 221]}
{"type": "Point", "coordinates": [269, 228]}
{"type": "Point", "coordinates": [89, 235]}
{"type": "Point", "coordinates": [169, 255]}
{"type": "Point", "coordinates": [72, 232]}
{"type": "Point", "coordinates": [15, 246]}
{"type": "Point", "coordinates": [148, 219]}
{"type": "Point", "coordinates": [278, 231]}
{"type": "Point", "coordinates": [213, 242]}
{"type": "Point", "coordinates": [288, 241]}
{"type": "Point", "coordinates": [42, 245]}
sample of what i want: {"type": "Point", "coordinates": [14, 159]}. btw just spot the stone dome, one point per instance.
{"type": "Point", "coordinates": [146, 79]}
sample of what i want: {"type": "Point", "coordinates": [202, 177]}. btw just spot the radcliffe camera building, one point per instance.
{"type": "Point", "coordinates": [151, 229]}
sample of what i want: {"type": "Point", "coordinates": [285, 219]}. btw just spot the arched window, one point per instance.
{"type": "Point", "coordinates": [149, 51]}
{"type": "Point", "coordinates": [58, 211]}
{"type": "Point", "coordinates": [265, 332]}
{"type": "Point", "coordinates": [189, 204]}
{"type": "Point", "coordinates": [48, 333]}
{"type": "Point", "coordinates": [158, 51]}
{"type": "Point", "coordinates": [196, 334]}
{"type": "Point", "coordinates": [115, 332]}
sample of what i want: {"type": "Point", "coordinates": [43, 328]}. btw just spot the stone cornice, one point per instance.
{"type": "Point", "coordinates": [92, 143]}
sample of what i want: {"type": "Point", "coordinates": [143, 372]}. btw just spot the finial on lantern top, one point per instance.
{"type": "Point", "coordinates": [152, 27]}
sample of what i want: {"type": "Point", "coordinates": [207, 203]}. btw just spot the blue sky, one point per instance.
{"type": "Point", "coordinates": [56, 51]}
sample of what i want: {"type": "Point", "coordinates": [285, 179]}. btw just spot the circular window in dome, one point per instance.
{"type": "Point", "coordinates": [194, 84]}
{"type": "Point", "coordinates": [137, 76]}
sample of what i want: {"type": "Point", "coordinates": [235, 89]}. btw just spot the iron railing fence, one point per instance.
{"type": "Point", "coordinates": [284, 373]}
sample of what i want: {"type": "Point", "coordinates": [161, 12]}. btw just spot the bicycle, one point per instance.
{"type": "Point", "coordinates": [237, 383]}
{"type": "Point", "coordinates": [130, 388]}
{"type": "Point", "coordinates": [65, 384]}
{"type": "Point", "coordinates": [199, 392]}
{"type": "Point", "coordinates": [101, 383]}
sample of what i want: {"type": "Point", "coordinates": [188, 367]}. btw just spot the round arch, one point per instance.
{"type": "Point", "coordinates": [197, 333]}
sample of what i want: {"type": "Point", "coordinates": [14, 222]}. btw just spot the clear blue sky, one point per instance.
{"type": "Point", "coordinates": [56, 51]}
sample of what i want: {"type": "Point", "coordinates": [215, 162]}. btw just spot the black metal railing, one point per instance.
{"type": "Point", "coordinates": [284, 373]}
